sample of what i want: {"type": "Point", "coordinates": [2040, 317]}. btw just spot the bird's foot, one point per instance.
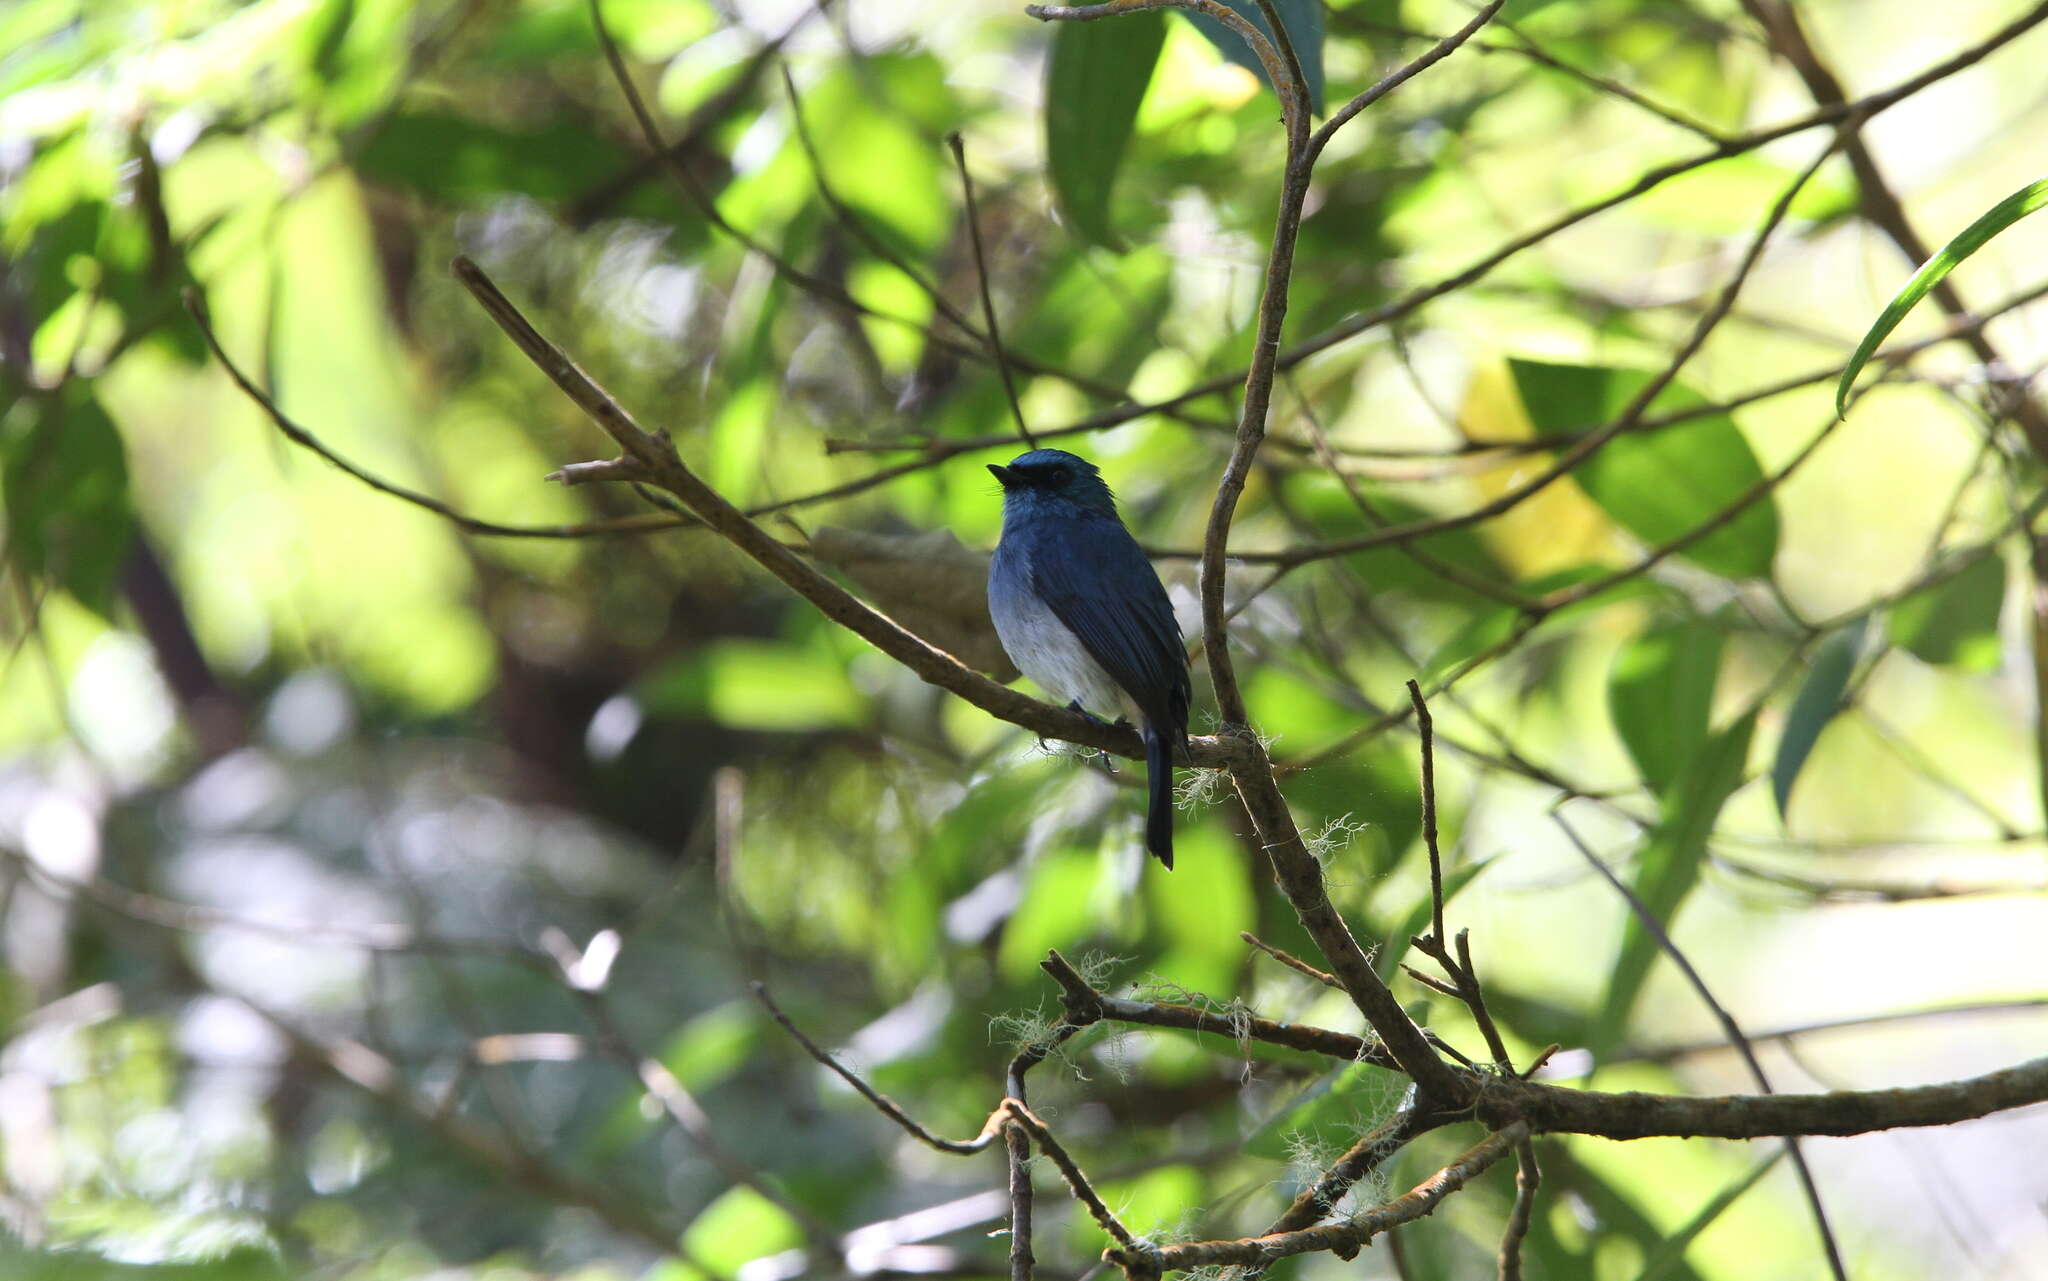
{"type": "Point", "coordinates": [1074, 705]}
{"type": "Point", "coordinates": [1108, 761]}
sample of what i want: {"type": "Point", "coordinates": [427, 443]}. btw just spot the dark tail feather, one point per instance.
{"type": "Point", "coordinates": [1159, 814]}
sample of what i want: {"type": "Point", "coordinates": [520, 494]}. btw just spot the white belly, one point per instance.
{"type": "Point", "coordinates": [1047, 651]}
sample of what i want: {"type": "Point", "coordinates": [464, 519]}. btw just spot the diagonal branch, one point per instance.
{"type": "Point", "coordinates": [654, 458]}
{"type": "Point", "coordinates": [883, 1103]}
{"type": "Point", "coordinates": [1418, 1202]}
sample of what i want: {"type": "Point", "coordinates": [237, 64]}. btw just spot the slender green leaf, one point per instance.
{"type": "Point", "coordinates": [1660, 693]}
{"type": "Point", "coordinates": [1670, 863]}
{"type": "Point", "coordinates": [1954, 623]}
{"type": "Point", "coordinates": [1094, 81]}
{"type": "Point", "coordinates": [1304, 22]}
{"type": "Point", "coordinates": [1819, 699]}
{"type": "Point", "coordinates": [1672, 1251]}
{"type": "Point", "coordinates": [1973, 237]}
{"type": "Point", "coordinates": [1608, 1210]}
{"type": "Point", "coordinates": [1663, 483]}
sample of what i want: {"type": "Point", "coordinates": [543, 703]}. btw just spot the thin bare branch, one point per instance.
{"type": "Point", "coordinates": [1291, 961]}
{"type": "Point", "coordinates": [988, 301]}
{"type": "Point", "coordinates": [883, 1103]}
{"type": "Point", "coordinates": [665, 469]}
{"type": "Point", "coordinates": [1655, 929]}
{"type": "Point", "coordinates": [1084, 1192]}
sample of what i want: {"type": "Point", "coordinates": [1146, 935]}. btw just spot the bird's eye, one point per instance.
{"type": "Point", "coordinates": [1059, 476]}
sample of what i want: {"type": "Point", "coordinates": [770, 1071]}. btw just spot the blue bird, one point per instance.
{"type": "Point", "coordinates": [1080, 611]}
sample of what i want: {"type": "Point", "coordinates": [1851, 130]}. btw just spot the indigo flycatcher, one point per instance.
{"type": "Point", "coordinates": [1080, 611]}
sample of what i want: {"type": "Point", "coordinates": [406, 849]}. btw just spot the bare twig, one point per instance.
{"type": "Point", "coordinates": [1556, 1110]}
{"type": "Point", "coordinates": [1528, 1177]}
{"type": "Point", "coordinates": [1667, 1053]}
{"type": "Point", "coordinates": [883, 1103]}
{"type": "Point", "coordinates": [1372, 1150]}
{"type": "Point", "coordinates": [666, 470]}
{"type": "Point", "coordinates": [1291, 961]}
{"type": "Point", "coordinates": [1084, 1005]}
{"type": "Point", "coordinates": [988, 301]}
{"type": "Point", "coordinates": [688, 1115]}
{"type": "Point", "coordinates": [1426, 729]}
{"type": "Point", "coordinates": [1022, 1117]}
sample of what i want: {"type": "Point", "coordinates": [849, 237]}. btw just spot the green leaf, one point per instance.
{"type": "Point", "coordinates": [1819, 699]}
{"type": "Point", "coordinates": [64, 478]}
{"type": "Point", "coordinates": [1954, 623]}
{"type": "Point", "coordinates": [1304, 22]}
{"type": "Point", "coordinates": [1660, 693]}
{"type": "Point", "coordinates": [2001, 215]}
{"type": "Point", "coordinates": [740, 1226]}
{"type": "Point", "coordinates": [1672, 1250]}
{"type": "Point", "coordinates": [1057, 910]}
{"type": "Point", "coordinates": [1669, 866]}
{"type": "Point", "coordinates": [755, 684]}
{"type": "Point", "coordinates": [452, 158]}
{"type": "Point", "coordinates": [1094, 81]}
{"type": "Point", "coordinates": [1606, 1211]}
{"type": "Point", "coordinates": [712, 1045]}
{"type": "Point", "coordinates": [1661, 483]}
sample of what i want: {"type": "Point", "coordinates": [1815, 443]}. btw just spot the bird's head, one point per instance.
{"type": "Point", "coordinates": [1050, 477]}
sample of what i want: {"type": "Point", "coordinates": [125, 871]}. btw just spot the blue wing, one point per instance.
{"type": "Point", "coordinates": [1096, 580]}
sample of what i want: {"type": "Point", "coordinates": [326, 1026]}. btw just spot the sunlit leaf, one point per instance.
{"type": "Point", "coordinates": [1604, 1209]}
{"type": "Point", "coordinates": [1152, 1203]}
{"type": "Point", "coordinates": [1094, 81]}
{"type": "Point", "coordinates": [1955, 622]}
{"type": "Point", "coordinates": [1664, 483]}
{"type": "Point", "coordinates": [1972, 238]}
{"type": "Point", "coordinates": [1057, 911]}
{"type": "Point", "coordinates": [767, 685]}
{"type": "Point", "coordinates": [1668, 1254]}
{"type": "Point", "coordinates": [1492, 628]}
{"type": "Point", "coordinates": [740, 1225]}
{"type": "Point", "coordinates": [1827, 681]}
{"type": "Point", "coordinates": [1304, 22]}
{"type": "Point", "coordinates": [1209, 896]}
{"type": "Point", "coordinates": [1337, 1103]}
{"type": "Point", "coordinates": [1660, 692]}
{"type": "Point", "coordinates": [707, 1049]}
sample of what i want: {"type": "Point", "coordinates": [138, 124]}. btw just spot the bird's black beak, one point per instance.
{"type": "Point", "coordinates": [1003, 474]}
